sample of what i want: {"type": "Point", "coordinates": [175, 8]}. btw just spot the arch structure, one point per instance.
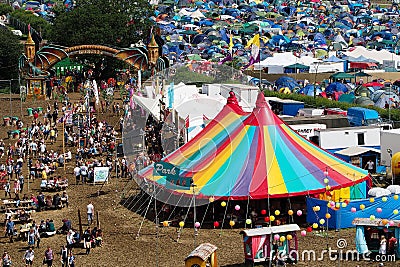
{"type": "Point", "coordinates": [48, 56]}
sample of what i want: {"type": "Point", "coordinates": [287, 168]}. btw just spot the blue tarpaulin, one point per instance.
{"type": "Point", "coordinates": [343, 217]}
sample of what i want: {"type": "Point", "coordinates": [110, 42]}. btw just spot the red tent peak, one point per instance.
{"type": "Point", "coordinates": [232, 100]}
{"type": "Point", "coordinates": [260, 102]}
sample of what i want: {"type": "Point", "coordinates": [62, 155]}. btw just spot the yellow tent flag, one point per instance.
{"type": "Point", "coordinates": [254, 41]}
{"type": "Point", "coordinates": [231, 42]}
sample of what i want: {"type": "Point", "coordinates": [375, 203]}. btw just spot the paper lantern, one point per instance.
{"type": "Point", "coordinates": [289, 237]}
{"type": "Point", "coordinates": [181, 224]}
{"type": "Point", "coordinates": [328, 216]}
{"type": "Point", "coordinates": [362, 206]}
{"type": "Point", "coordinates": [272, 218]}
{"type": "Point", "coordinates": [248, 221]}
{"type": "Point", "coordinates": [372, 217]}
{"type": "Point", "coordinates": [344, 205]}
{"type": "Point", "coordinates": [263, 212]}
{"type": "Point", "coordinates": [266, 219]}
{"type": "Point", "coordinates": [303, 233]}
{"type": "Point", "coordinates": [165, 223]}
{"type": "Point", "coordinates": [276, 237]}
{"type": "Point", "coordinates": [277, 212]}
{"type": "Point", "coordinates": [395, 212]}
{"type": "Point", "coordinates": [315, 225]}
{"type": "Point", "coordinates": [232, 223]}
{"type": "Point", "coordinates": [223, 204]}
{"type": "Point", "coordinates": [299, 213]}
{"type": "Point", "coordinates": [321, 221]}
{"type": "Point", "coordinates": [282, 239]}
{"type": "Point", "coordinates": [211, 199]}
{"type": "Point", "coordinates": [332, 203]}
{"type": "Point", "coordinates": [326, 180]}
{"type": "Point", "coordinates": [237, 207]}
{"type": "Point", "coordinates": [372, 200]}
{"type": "Point", "coordinates": [353, 209]}
{"type": "Point", "coordinates": [216, 224]}
{"type": "Point", "coordinates": [391, 223]}
{"type": "Point", "coordinates": [197, 224]}
{"type": "Point", "coordinates": [379, 210]}
{"type": "Point", "coordinates": [309, 229]}
{"type": "Point", "coordinates": [385, 221]}
{"type": "Point", "coordinates": [395, 197]}
{"type": "Point", "coordinates": [384, 199]}
{"type": "Point", "coordinates": [290, 212]}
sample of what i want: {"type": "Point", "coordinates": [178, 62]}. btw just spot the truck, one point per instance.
{"type": "Point", "coordinates": [358, 116]}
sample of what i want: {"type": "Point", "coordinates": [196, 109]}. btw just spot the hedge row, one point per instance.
{"type": "Point", "coordinates": [320, 102]}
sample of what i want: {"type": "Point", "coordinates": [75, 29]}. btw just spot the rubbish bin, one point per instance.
{"type": "Point", "coordinates": [10, 134]}
{"type": "Point", "coordinates": [30, 111]}
{"type": "Point", "coordinates": [6, 120]}
{"type": "Point", "coordinates": [40, 110]}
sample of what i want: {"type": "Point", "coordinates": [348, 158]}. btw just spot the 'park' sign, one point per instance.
{"type": "Point", "coordinates": [171, 173]}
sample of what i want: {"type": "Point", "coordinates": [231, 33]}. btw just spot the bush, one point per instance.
{"type": "Point", "coordinates": [320, 102]}
{"type": "Point", "coordinates": [5, 9]}
{"type": "Point", "coordinates": [38, 23]}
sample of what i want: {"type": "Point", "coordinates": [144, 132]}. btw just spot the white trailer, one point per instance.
{"type": "Point", "coordinates": [308, 130]}
{"type": "Point", "coordinates": [390, 142]}
{"type": "Point", "coordinates": [334, 139]}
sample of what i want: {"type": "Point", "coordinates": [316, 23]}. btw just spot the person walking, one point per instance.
{"type": "Point", "coordinates": [90, 212]}
{"type": "Point", "coordinates": [29, 256]}
{"type": "Point", "coordinates": [71, 259]}
{"type": "Point", "coordinates": [6, 259]}
{"type": "Point", "coordinates": [48, 257]}
{"type": "Point", "coordinates": [9, 229]}
{"type": "Point", "coordinates": [64, 256]}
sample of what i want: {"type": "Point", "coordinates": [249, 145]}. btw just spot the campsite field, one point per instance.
{"type": "Point", "coordinates": [121, 246]}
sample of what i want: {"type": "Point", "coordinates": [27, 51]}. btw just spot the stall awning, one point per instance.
{"type": "Point", "coordinates": [362, 65]}
{"type": "Point", "coordinates": [271, 230]}
{"type": "Point", "coordinates": [356, 150]}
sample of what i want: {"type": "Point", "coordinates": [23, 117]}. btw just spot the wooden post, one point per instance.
{"type": "Point", "coordinates": [80, 222]}
{"type": "Point", "coordinates": [63, 140]}
{"type": "Point", "coordinates": [97, 219]}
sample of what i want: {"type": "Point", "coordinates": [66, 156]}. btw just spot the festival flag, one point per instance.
{"type": "Point", "coordinates": [171, 95]}
{"type": "Point", "coordinates": [254, 43]}
{"type": "Point", "coordinates": [206, 120]}
{"type": "Point", "coordinates": [187, 122]}
{"type": "Point", "coordinates": [229, 56]}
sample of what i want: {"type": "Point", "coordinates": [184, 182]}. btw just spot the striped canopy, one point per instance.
{"type": "Point", "coordinates": [255, 155]}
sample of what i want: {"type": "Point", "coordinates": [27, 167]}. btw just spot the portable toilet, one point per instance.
{"type": "Point", "coordinates": [258, 243]}
{"type": "Point", "coordinates": [369, 233]}
{"type": "Point", "coordinates": [204, 255]}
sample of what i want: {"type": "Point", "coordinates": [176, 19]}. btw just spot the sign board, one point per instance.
{"type": "Point", "coordinates": [101, 174]}
{"type": "Point", "coordinates": [171, 173]}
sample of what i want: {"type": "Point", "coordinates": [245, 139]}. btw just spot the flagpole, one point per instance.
{"type": "Point", "coordinates": [259, 58]}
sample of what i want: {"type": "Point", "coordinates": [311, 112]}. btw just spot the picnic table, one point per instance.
{"type": "Point", "coordinates": [51, 186]}
{"type": "Point", "coordinates": [13, 205]}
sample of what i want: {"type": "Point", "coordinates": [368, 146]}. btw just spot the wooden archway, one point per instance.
{"type": "Point", "coordinates": [48, 56]}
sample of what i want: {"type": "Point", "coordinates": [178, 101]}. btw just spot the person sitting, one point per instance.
{"type": "Point", "coordinates": [56, 201]}
{"type": "Point", "coordinates": [23, 216]}
{"type": "Point", "coordinates": [50, 226]}
{"type": "Point", "coordinates": [65, 227]}
{"type": "Point", "coordinates": [42, 227]}
{"type": "Point", "coordinates": [49, 202]}
{"type": "Point", "coordinates": [99, 238]}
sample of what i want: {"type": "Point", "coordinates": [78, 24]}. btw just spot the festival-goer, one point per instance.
{"type": "Point", "coordinates": [48, 257]}
{"type": "Point", "coordinates": [29, 256]}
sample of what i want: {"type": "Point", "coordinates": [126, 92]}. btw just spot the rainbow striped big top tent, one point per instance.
{"type": "Point", "coordinates": [255, 155]}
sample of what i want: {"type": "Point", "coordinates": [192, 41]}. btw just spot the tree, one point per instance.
{"type": "Point", "coordinates": [10, 51]}
{"type": "Point", "coordinates": [105, 22]}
